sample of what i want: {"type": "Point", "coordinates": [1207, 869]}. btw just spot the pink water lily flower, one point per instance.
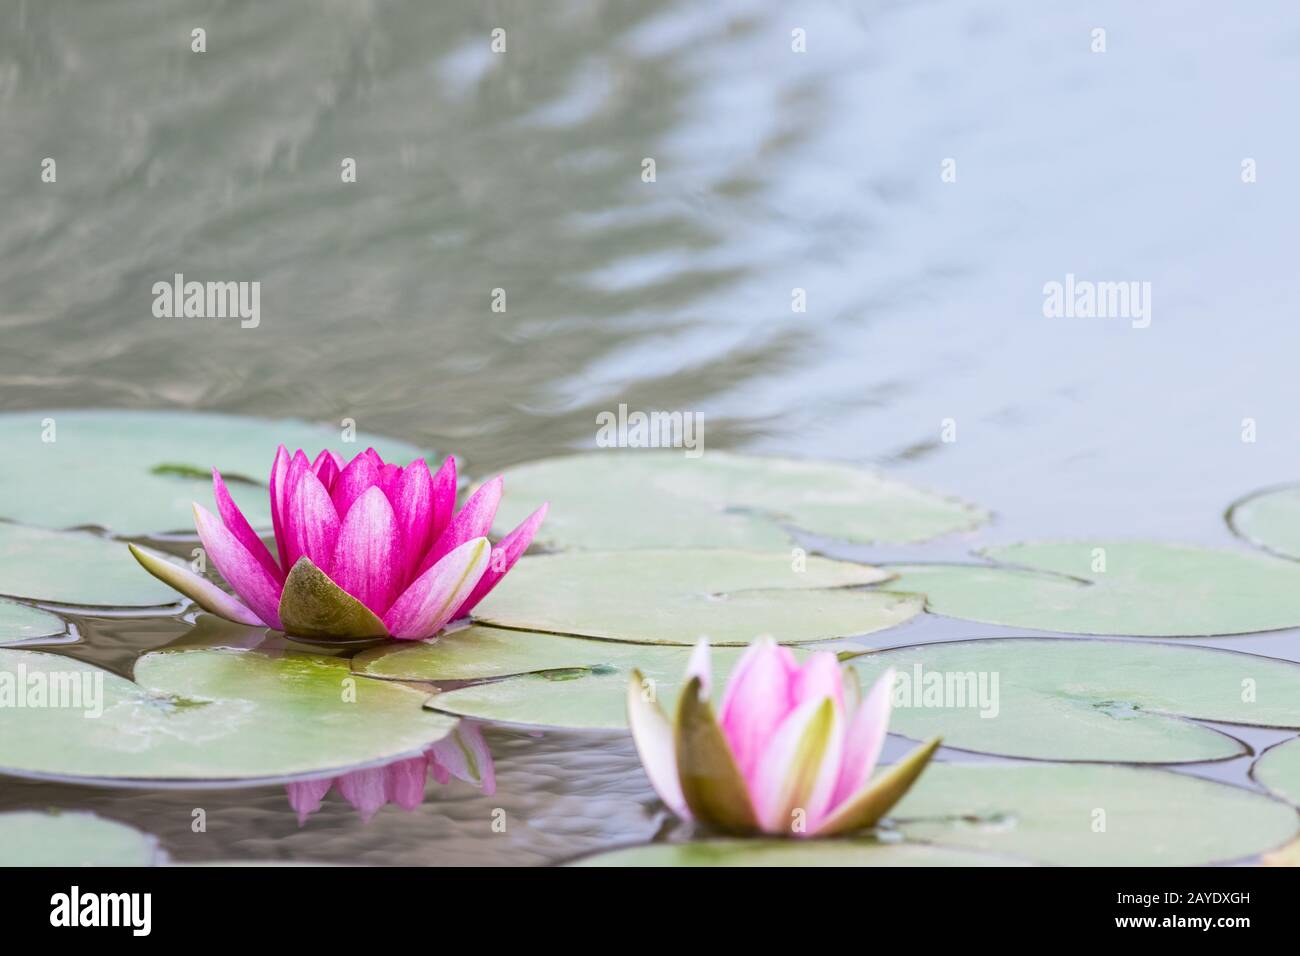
{"type": "Point", "coordinates": [462, 754]}
{"type": "Point", "coordinates": [791, 751]}
{"type": "Point", "coordinates": [364, 549]}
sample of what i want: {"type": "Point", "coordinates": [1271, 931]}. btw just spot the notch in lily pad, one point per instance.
{"type": "Point", "coordinates": [135, 473]}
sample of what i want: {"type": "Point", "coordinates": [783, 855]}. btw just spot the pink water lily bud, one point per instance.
{"type": "Point", "coordinates": [363, 549]}
{"type": "Point", "coordinates": [790, 753]}
{"type": "Point", "coordinates": [462, 754]}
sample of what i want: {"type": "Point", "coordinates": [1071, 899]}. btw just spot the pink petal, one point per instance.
{"type": "Point", "coordinates": [360, 474]}
{"type": "Point", "coordinates": [464, 754]}
{"type": "Point", "coordinates": [820, 677]}
{"type": "Point", "coordinates": [404, 781]}
{"type": "Point", "coordinates": [759, 696]}
{"type": "Point", "coordinates": [438, 771]}
{"type": "Point", "coordinates": [367, 790]}
{"type": "Point", "coordinates": [238, 525]}
{"type": "Point", "coordinates": [504, 556]}
{"type": "Point", "coordinates": [653, 736]}
{"type": "Point", "coordinates": [296, 468]}
{"type": "Point", "coordinates": [428, 604]}
{"type": "Point", "coordinates": [196, 587]}
{"type": "Point", "coordinates": [775, 769]}
{"type": "Point", "coordinates": [312, 525]}
{"type": "Point", "coordinates": [326, 468]}
{"type": "Point", "coordinates": [279, 475]}
{"type": "Point", "coordinates": [411, 494]}
{"type": "Point", "coordinates": [865, 738]}
{"type": "Point", "coordinates": [367, 558]}
{"type": "Point", "coordinates": [473, 521]}
{"type": "Point", "coordinates": [444, 498]}
{"type": "Point", "coordinates": [699, 665]}
{"type": "Point", "coordinates": [251, 581]}
{"type": "Point", "coordinates": [374, 457]}
{"type": "Point", "coordinates": [305, 796]}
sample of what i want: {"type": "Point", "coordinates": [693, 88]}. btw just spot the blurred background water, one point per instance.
{"type": "Point", "coordinates": [775, 170]}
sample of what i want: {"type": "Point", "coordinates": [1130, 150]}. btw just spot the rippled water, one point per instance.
{"type": "Point", "coordinates": [775, 170]}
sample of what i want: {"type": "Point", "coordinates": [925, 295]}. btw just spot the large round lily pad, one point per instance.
{"type": "Point", "coordinates": [793, 853]}
{"type": "Point", "coordinates": [479, 652]}
{"type": "Point", "coordinates": [1145, 589]}
{"type": "Point", "coordinates": [30, 838]}
{"type": "Point", "coordinates": [137, 472]}
{"type": "Point", "coordinates": [1270, 519]}
{"type": "Point", "coordinates": [1279, 770]}
{"type": "Point", "coordinates": [1090, 815]}
{"type": "Point", "coordinates": [677, 597]}
{"type": "Point", "coordinates": [568, 682]}
{"type": "Point", "coordinates": [73, 567]}
{"type": "Point", "coordinates": [1055, 699]}
{"type": "Point", "coordinates": [20, 623]}
{"type": "Point", "coordinates": [649, 498]}
{"type": "Point", "coordinates": [229, 716]}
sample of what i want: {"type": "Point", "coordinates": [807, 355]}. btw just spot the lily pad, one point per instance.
{"type": "Point", "coordinates": [1145, 590]}
{"type": "Point", "coordinates": [209, 716]}
{"type": "Point", "coordinates": [30, 838]}
{"type": "Point", "coordinates": [1089, 815]}
{"type": "Point", "coordinates": [72, 567]}
{"type": "Point", "coordinates": [609, 500]}
{"type": "Point", "coordinates": [480, 652]}
{"type": "Point", "coordinates": [677, 597]}
{"type": "Point", "coordinates": [1279, 770]}
{"type": "Point", "coordinates": [793, 853]}
{"type": "Point", "coordinates": [136, 473]}
{"type": "Point", "coordinates": [20, 623]}
{"type": "Point", "coordinates": [567, 682]}
{"type": "Point", "coordinates": [1054, 699]}
{"type": "Point", "coordinates": [1269, 519]}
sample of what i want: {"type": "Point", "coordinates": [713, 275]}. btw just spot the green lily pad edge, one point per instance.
{"type": "Point", "coordinates": [217, 717]}
{"type": "Point", "coordinates": [23, 624]}
{"type": "Point", "coordinates": [762, 852]}
{"type": "Point", "coordinates": [1040, 813]}
{"type": "Point", "coordinates": [1112, 588]}
{"type": "Point", "coordinates": [73, 838]}
{"type": "Point", "coordinates": [135, 472]}
{"type": "Point", "coordinates": [613, 499]}
{"type": "Point", "coordinates": [1278, 770]}
{"type": "Point", "coordinates": [1269, 519]}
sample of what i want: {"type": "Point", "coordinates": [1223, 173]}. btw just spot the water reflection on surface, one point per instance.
{"type": "Point", "coordinates": [560, 795]}
{"type": "Point", "coordinates": [463, 754]}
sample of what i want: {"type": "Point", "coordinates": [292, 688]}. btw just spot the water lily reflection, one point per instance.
{"type": "Point", "coordinates": [462, 754]}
